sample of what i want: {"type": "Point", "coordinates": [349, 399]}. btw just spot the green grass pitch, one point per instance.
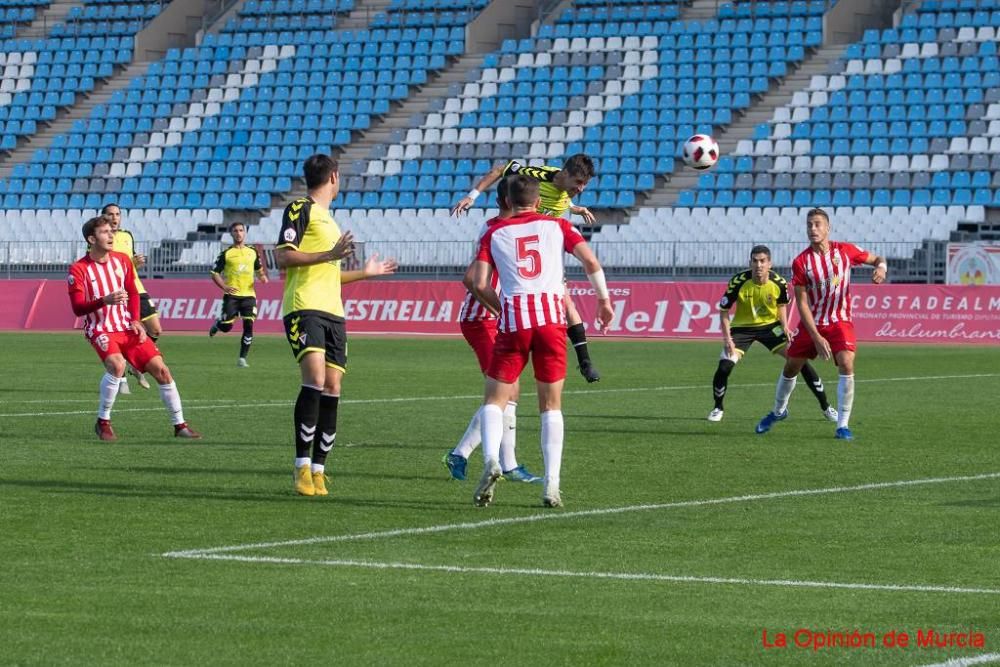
{"type": "Point", "coordinates": [679, 544]}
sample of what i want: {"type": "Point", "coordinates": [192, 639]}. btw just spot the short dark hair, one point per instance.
{"type": "Point", "coordinates": [234, 223]}
{"type": "Point", "coordinates": [90, 227]}
{"type": "Point", "coordinates": [503, 193]}
{"type": "Point", "coordinates": [759, 249]}
{"type": "Point", "coordinates": [104, 210]}
{"type": "Point", "coordinates": [817, 211]}
{"type": "Point", "coordinates": [317, 169]}
{"type": "Point", "coordinates": [522, 190]}
{"type": "Point", "coordinates": [579, 166]}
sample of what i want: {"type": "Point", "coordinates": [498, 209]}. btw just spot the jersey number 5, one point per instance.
{"type": "Point", "coordinates": [529, 260]}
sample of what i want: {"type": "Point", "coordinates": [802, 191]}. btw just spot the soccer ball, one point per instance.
{"type": "Point", "coordinates": [700, 152]}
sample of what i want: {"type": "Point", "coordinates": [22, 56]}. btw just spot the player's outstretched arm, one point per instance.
{"type": "Point", "coordinates": [373, 268]}
{"type": "Point", "coordinates": [289, 257]}
{"type": "Point", "coordinates": [595, 274]}
{"type": "Point", "coordinates": [584, 212]}
{"type": "Point", "coordinates": [491, 177]}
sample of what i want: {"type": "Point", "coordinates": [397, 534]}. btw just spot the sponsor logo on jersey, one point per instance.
{"type": "Point", "coordinates": [289, 234]}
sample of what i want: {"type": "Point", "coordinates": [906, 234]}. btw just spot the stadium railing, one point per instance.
{"type": "Point", "coordinates": [448, 259]}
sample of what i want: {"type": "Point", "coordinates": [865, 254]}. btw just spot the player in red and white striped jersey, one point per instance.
{"type": "Point", "coordinates": [103, 292]}
{"type": "Point", "coordinates": [479, 327]}
{"type": "Point", "coordinates": [526, 251]}
{"type": "Point", "coordinates": [821, 276]}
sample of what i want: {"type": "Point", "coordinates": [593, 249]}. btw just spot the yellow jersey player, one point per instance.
{"type": "Point", "coordinates": [124, 242]}
{"type": "Point", "coordinates": [761, 299]}
{"type": "Point", "coordinates": [556, 188]}
{"type": "Point", "coordinates": [233, 273]}
{"type": "Point", "coordinates": [309, 249]}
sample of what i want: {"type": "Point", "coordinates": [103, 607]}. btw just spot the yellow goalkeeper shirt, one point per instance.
{"type": "Point", "coordinates": [756, 305]}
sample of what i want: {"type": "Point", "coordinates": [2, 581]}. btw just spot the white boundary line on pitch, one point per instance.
{"type": "Point", "coordinates": [983, 659]}
{"type": "Point", "coordinates": [227, 552]}
{"type": "Point", "coordinates": [212, 404]}
{"type": "Point", "coordinates": [622, 576]}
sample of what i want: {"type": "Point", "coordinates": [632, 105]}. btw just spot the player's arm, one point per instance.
{"type": "Point", "coordinates": [482, 289]}
{"type": "Point", "coordinates": [258, 268]}
{"type": "Point", "coordinates": [491, 177]}
{"type": "Point", "coordinates": [881, 267]}
{"type": "Point", "coordinates": [584, 212]}
{"type": "Point", "coordinates": [78, 299]}
{"type": "Point", "coordinates": [782, 302]}
{"type": "Point", "coordinates": [727, 330]}
{"type": "Point", "coordinates": [288, 256]}
{"type": "Point", "coordinates": [469, 281]}
{"type": "Point", "coordinates": [373, 268]}
{"type": "Point", "coordinates": [809, 324]}
{"type": "Point", "coordinates": [595, 274]}
{"type": "Point", "coordinates": [133, 303]}
{"type": "Point", "coordinates": [216, 274]}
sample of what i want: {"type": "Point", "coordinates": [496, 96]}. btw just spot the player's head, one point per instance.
{"type": "Point", "coordinates": [503, 198]}
{"type": "Point", "coordinates": [576, 172]}
{"type": "Point", "coordinates": [760, 262]}
{"type": "Point", "coordinates": [817, 225]}
{"type": "Point", "coordinates": [321, 171]}
{"type": "Point", "coordinates": [98, 232]}
{"type": "Point", "coordinates": [114, 213]}
{"type": "Point", "coordinates": [238, 231]}
{"type": "Point", "coordinates": [522, 192]}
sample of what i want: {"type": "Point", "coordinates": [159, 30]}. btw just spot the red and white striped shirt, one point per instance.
{"type": "Point", "coordinates": [827, 279]}
{"type": "Point", "coordinates": [472, 310]}
{"type": "Point", "coordinates": [90, 281]}
{"type": "Point", "coordinates": [526, 251]}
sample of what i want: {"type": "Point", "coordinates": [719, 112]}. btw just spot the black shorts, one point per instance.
{"type": "Point", "coordinates": [244, 307]}
{"type": "Point", "coordinates": [146, 307]}
{"type": "Point", "coordinates": [771, 336]}
{"type": "Point", "coordinates": [315, 331]}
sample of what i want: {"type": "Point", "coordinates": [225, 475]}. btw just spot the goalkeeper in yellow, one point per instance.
{"type": "Point", "coordinates": [233, 273]}
{"type": "Point", "coordinates": [557, 187]}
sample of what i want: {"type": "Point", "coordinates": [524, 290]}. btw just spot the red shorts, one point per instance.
{"type": "Point", "coordinates": [545, 345]}
{"type": "Point", "coordinates": [840, 336]}
{"type": "Point", "coordinates": [125, 343]}
{"type": "Point", "coordinates": [480, 336]}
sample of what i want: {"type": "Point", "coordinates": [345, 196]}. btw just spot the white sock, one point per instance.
{"type": "Point", "coordinates": [109, 392]}
{"type": "Point", "coordinates": [299, 462]}
{"type": "Point", "coordinates": [491, 427]}
{"type": "Point", "coordinates": [783, 393]}
{"type": "Point", "coordinates": [316, 467]}
{"type": "Point", "coordinates": [508, 460]}
{"type": "Point", "coordinates": [123, 386]}
{"type": "Point", "coordinates": [552, 445]}
{"type": "Point", "coordinates": [845, 400]}
{"type": "Point", "coordinates": [172, 399]}
{"type": "Point", "coordinates": [470, 439]}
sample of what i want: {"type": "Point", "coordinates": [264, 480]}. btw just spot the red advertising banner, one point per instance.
{"type": "Point", "coordinates": [891, 313]}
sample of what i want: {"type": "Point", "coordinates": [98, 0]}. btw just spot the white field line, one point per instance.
{"type": "Point", "coordinates": [624, 576]}
{"type": "Point", "coordinates": [213, 404]}
{"type": "Point", "coordinates": [560, 516]}
{"type": "Point", "coordinates": [983, 659]}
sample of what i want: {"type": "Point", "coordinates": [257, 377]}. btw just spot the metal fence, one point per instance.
{"type": "Point", "coordinates": [446, 259]}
